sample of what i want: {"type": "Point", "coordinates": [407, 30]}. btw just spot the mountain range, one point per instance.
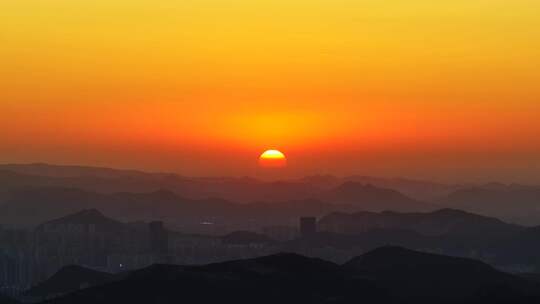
{"type": "Point", "coordinates": [514, 203]}
{"type": "Point", "coordinates": [84, 186]}
{"type": "Point", "coordinates": [440, 222]}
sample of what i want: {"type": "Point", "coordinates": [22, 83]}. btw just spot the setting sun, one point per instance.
{"type": "Point", "coordinates": [272, 158]}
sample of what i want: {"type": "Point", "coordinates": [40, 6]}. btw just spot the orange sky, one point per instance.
{"type": "Point", "coordinates": [433, 89]}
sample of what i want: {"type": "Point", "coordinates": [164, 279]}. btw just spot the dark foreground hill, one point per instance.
{"type": "Point", "coordinates": [6, 300]}
{"type": "Point", "coordinates": [385, 275]}
{"type": "Point", "coordinates": [69, 279]}
{"type": "Point", "coordinates": [414, 274]}
{"type": "Point", "coordinates": [283, 278]}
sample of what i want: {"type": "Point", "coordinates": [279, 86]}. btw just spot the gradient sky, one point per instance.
{"type": "Point", "coordinates": [448, 90]}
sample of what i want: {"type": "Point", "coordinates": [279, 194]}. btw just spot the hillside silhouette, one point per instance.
{"type": "Point", "coordinates": [384, 275]}
{"type": "Point", "coordinates": [69, 279]}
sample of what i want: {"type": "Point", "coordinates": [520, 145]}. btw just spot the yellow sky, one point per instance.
{"type": "Point", "coordinates": [396, 87]}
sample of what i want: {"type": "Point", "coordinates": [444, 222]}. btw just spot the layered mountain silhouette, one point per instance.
{"type": "Point", "coordinates": [95, 179]}
{"type": "Point", "coordinates": [385, 275]}
{"type": "Point", "coordinates": [105, 180]}
{"type": "Point", "coordinates": [440, 222]}
{"type": "Point", "coordinates": [417, 189]}
{"type": "Point", "coordinates": [233, 189]}
{"type": "Point", "coordinates": [35, 205]}
{"type": "Point", "coordinates": [371, 198]}
{"type": "Point", "coordinates": [93, 210]}
{"type": "Point", "coordinates": [29, 206]}
{"type": "Point", "coordinates": [514, 203]}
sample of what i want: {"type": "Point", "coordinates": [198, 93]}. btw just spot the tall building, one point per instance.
{"type": "Point", "coordinates": [308, 226]}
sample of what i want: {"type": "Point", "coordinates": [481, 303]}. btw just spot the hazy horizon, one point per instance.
{"type": "Point", "coordinates": [280, 176]}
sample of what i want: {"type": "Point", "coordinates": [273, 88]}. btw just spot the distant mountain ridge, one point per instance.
{"type": "Point", "coordinates": [371, 198]}
{"type": "Point", "coordinates": [515, 203]}
{"type": "Point", "coordinates": [439, 222]}
{"type": "Point", "coordinates": [417, 189]}
{"type": "Point", "coordinates": [109, 181]}
{"type": "Point", "coordinates": [95, 179]}
{"type": "Point", "coordinates": [43, 169]}
{"type": "Point", "coordinates": [33, 206]}
{"type": "Point", "coordinates": [32, 199]}
{"type": "Point", "coordinates": [85, 217]}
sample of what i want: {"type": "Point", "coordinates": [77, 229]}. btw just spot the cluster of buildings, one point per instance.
{"type": "Point", "coordinates": [91, 240]}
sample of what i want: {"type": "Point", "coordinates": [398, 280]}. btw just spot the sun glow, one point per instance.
{"type": "Point", "coordinates": [273, 158]}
